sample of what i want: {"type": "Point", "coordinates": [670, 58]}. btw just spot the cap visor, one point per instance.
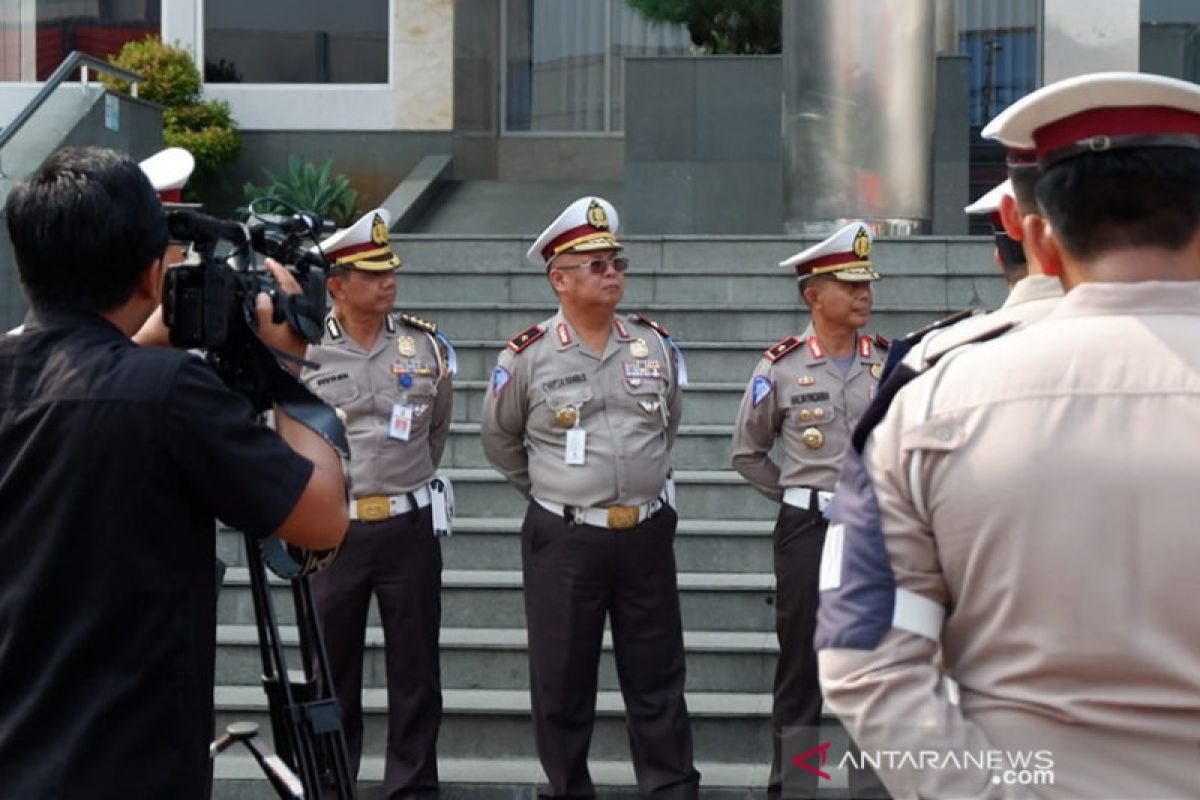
{"type": "Point", "coordinates": [856, 275]}
{"type": "Point", "coordinates": [594, 245]}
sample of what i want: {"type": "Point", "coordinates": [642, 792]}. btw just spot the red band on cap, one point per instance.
{"type": "Point", "coordinates": [566, 236]}
{"type": "Point", "coordinates": [997, 223]}
{"type": "Point", "coordinates": [171, 195]}
{"type": "Point", "coordinates": [354, 249]}
{"type": "Point", "coordinates": [1129, 121]}
{"type": "Point", "coordinates": [805, 267]}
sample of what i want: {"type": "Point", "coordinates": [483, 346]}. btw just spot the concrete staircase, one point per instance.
{"type": "Point", "coordinates": [725, 300]}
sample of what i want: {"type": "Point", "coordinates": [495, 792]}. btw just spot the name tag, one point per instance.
{"type": "Point", "coordinates": [400, 426]}
{"type": "Point", "coordinates": [576, 446]}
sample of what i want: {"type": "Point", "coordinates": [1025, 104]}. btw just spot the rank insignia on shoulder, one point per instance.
{"type": "Point", "coordinates": [525, 338]}
{"type": "Point", "coordinates": [882, 342]}
{"type": "Point", "coordinates": [418, 323]}
{"type": "Point", "coordinates": [652, 325]}
{"type": "Point", "coordinates": [782, 348]}
{"type": "Point", "coordinates": [333, 327]}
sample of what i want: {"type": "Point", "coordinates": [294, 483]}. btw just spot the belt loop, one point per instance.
{"type": "Point", "coordinates": [412, 502]}
{"type": "Point", "coordinates": [814, 500]}
{"type": "Point", "coordinates": [569, 515]}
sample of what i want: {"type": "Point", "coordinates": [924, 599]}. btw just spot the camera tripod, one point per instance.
{"type": "Point", "coordinates": [306, 725]}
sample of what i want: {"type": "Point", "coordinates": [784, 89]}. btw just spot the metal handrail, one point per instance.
{"type": "Point", "coordinates": [73, 60]}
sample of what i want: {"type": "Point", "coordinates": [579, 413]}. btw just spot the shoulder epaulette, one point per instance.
{"type": "Point", "coordinates": [882, 342]}
{"type": "Point", "coordinates": [418, 323]}
{"type": "Point", "coordinates": [526, 338]}
{"type": "Point", "coordinates": [782, 348]}
{"type": "Point", "coordinates": [952, 340]}
{"type": "Point", "coordinates": [652, 325]}
{"type": "Point", "coordinates": [945, 322]}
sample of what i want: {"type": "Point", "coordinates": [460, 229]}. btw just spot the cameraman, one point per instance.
{"type": "Point", "coordinates": [114, 461]}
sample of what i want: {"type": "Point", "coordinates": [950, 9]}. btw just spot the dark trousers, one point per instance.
{"type": "Point", "coordinates": [574, 576]}
{"type": "Point", "coordinates": [796, 712]}
{"type": "Point", "coordinates": [399, 561]}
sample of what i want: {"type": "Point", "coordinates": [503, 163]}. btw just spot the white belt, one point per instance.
{"type": "Point", "coordinates": [801, 497]}
{"type": "Point", "coordinates": [373, 508]}
{"type": "Point", "coordinates": [615, 517]}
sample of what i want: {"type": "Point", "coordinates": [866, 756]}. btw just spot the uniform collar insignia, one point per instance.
{"type": "Point", "coordinates": [333, 327]}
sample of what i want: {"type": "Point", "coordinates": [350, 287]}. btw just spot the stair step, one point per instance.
{"type": "Point", "coordinates": [497, 658]}
{"type": "Point", "coordinates": [493, 599]}
{"type": "Point", "coordinates": [496, 723]}
{"type": "Point", "coordinates": [494, 543]}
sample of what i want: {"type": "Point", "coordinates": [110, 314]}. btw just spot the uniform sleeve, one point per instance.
{"type": "Point", "coordinates": [674, 395]}
{"type": "Point", "coordinates": [759, 417]}
{"type": "Point", "coordinates": [439, 423]}
{"type": "Point", "coordinates": [240, 469]}
{"type": "Point", "coordinates": [503, 424]}
{"type": "Point", "coordinates": [883, 599]}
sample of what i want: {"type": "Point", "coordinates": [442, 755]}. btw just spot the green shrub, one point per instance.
{"type": "Point", "coordinates": [170, 76]}
{"type": "Point", "coordinates": [204, 128]}
{"type": "Point", "coordinates": [307, 187]}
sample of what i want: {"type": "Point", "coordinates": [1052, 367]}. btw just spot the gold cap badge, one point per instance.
{"type": "Point", "coordinates": [862, 243]}
{"type": "Point", "coordinates": [379, 231]}
{"type": "Point", "coordinates": [597, 217]}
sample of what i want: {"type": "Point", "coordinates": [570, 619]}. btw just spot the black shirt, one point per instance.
{"type": "Point", "coordinates": [114, 461]}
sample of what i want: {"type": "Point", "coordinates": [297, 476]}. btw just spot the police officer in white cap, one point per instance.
{"type": "Point", "coordinates": [806, 394]}
{"type": "Point", "coordinates": [1020, 519]}
{"type": "Point", "coordinates": [391, 377]}
{"type": "Point", "coordinates": [580, 417]}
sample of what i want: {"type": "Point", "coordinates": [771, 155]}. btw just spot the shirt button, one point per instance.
{"type": "Point", "coordinates": [943, 434]}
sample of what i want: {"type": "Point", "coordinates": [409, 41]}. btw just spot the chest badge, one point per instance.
{"type": "Point", "coordinates": [566, 417]}
{"type": "Point", "coordinates": [806, 380]}
{"type": "Point", "coordinates": [876, 371]}
{"type": "Point", "coordinates": [813, 438]}
{"type": "Point", "coordinates": [407, 346]}
{"type": "Point", "coordinates": [638, 348]}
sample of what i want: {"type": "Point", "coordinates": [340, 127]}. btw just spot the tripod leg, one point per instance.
{"type": "Point", "coordinates": [332, 752]}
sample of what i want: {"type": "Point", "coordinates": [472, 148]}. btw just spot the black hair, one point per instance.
{"type": "Point", "coordinates": [1137, 197]}
{"type": "Point", "coordinates": [84, 227]}
{"type": "Point", "coordinates": [1012, 257]}
{"type": "Point", "coordinates": [1024, 179]}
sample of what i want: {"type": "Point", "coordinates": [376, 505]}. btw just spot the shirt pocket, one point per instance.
{"type": "Point", "coordinates": [337, 389]}
{"type": "Point", "coordinates": [564, 406]}
{"type": "Point", "coordinates": [812, 413]}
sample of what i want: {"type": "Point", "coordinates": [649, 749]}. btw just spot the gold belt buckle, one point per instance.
{"type": "Point", "coordinates": [372, 508]}
{"type": "Point", "coordinates": [622, 518]}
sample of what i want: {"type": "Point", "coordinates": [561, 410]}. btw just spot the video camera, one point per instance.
{"type": "Point", "coordinates": [209, 303]}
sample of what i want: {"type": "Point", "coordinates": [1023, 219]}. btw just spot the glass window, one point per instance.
{"type": "Point", "coordinates": [295, 41]}
{"type": "Point", "coordinates": [1170, 38]}
{"type": "Point", "coordinates": [564, 66]}
{"type": "Point", "coordinates": [98, 29]}
{"type": "Point", "coordinates": [1002, 39]}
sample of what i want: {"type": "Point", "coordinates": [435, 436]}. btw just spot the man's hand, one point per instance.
{"type": "Point", "coordinates": [279, 335]}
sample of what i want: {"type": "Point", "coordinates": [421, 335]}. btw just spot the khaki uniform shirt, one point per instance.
{"type": "Point", "coordinates": [1029, 300]}
{"type": "Point", "coordinates": [805, 401]}
{"type": "Point", "coordinates": [1048, 529]}
{"type": "Point", "coordinates": [627, 400]}
{"type": "Point", "coordinates": [367, 387]}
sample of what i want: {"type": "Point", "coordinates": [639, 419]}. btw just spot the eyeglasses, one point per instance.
{"type": "Point", "coordinates": [598, 266]}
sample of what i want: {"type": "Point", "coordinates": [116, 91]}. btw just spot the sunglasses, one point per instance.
{"type": "Point", "coordinates": [598, 266]}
